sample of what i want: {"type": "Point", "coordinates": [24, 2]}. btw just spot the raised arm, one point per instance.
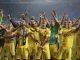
{"type": "Point", "coordinates": [44, 14]}
{"type": "Point", "coordinates": [24, 21]}
{"type": "Point", "coordinates": [11, 20]}
{"type": "Point", "coordinates": [53, 13]}
{"type": "Point", "coordinates": [63, 18]}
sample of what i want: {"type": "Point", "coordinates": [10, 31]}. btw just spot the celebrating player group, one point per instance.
{"type": "Point", "coordinates": [42, 39]}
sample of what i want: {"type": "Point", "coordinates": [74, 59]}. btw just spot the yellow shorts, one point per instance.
{"type": "Point", "coordinates": [53, 50]}
{"type": "Point", "coordinates": [45, 52]}
{"type": "Point", "coordinates": [9, 48]}
{"type": "Point", "coordinates": [21, 52]}
{"type": "Point", "coordinates": [31, 48]}
{"type": "Point", "coordinates": [6, 49]}
{"type": "Point", "coordinates": [65, 53]}
{"type": "Point", "coordinates": [12, 48]}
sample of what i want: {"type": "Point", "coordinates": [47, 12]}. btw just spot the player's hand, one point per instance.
{"type": "Point", "coordinates": [56, 35]}
{"type": "Point", "coordinates": [24, 16]}
{"type": "Point", "coordinates": [53, 13]}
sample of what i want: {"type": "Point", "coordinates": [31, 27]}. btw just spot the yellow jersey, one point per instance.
{"type": "Point", "coordinates": [20, 37]}
{"type": "Point", "coordinates": [44, 32]}
{"type": "Point", "coordinates": [34, 34]}
{"type": "Point", "coordinates": [67, 37]}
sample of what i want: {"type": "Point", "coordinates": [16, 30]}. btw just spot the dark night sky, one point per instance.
{"type": "Point", "coordinates": [16, 7]}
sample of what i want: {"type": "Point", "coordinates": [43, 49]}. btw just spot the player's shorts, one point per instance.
{"type": "Point", "coordinates": [9, 48]}
{"type": "Point", "coordinates": [22, 52]}
{"type": "Point", "coordinates": [6, 49]}
{"type": "Point", "coordinates": [45, 52]}
{"type": "Point", "coordinates": [12, 48]}
{"type": "Point", "coordinates": [53, 50]}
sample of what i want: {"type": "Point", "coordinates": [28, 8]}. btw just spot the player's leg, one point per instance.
{"type": "Point", "coordinates": [6, 51]}
{"type": "Point", "coordinates": [12, 50]}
